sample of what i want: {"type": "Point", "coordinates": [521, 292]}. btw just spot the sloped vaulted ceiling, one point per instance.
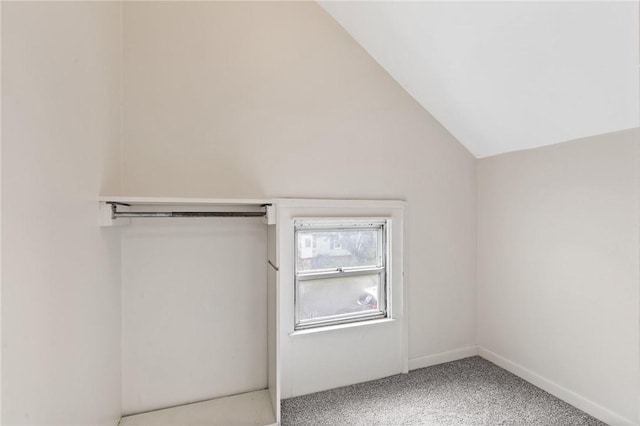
{"type": "Point", "coordinates": [506, 76]}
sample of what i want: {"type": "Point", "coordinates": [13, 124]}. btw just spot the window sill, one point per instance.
{"type": "Point", "coordinates": [341, 326]}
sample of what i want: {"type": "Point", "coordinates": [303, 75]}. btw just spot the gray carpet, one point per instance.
{"type": "Point", "coordinates": [471, 391]}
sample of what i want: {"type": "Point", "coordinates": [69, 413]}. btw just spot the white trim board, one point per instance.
{"type": "Point", "coordinates": [442, 357]}
{"type": "Point", "coordinates": [567, 395]}
{"type": "Point", "coordinates": [251, 408]}
{"type": "Point", "coordinates": [183, 201]}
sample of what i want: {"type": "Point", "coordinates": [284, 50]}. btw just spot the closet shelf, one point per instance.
{"type": "Point", "coordinates": [152, 201]}
{"type": "Point", "coordinates": [118, 210]}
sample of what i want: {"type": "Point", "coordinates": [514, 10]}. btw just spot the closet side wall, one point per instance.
{"type": "Point", "coordinates": [194, 310]}
{"type": "Point", "coordinates": [61, 68]}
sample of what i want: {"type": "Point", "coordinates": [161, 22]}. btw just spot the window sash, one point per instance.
{"type": "Point", "coordinates": [309, 227]}
{"type": "Point", "coordinates": [336, 319]}
{"type": "Point", "coordinates": [339, 319]}
{"type": "Point", "coordinates": [337, 273]}
{"type": "Point", "coordinates": [319, 225]}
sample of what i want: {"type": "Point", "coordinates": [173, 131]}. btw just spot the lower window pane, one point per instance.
{"type": "Point", "coordinates": [330, 297]}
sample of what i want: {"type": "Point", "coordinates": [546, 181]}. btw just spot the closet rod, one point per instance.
{"type": "Point", "coordinates": [115, 214]}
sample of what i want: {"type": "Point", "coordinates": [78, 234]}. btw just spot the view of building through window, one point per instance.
{"type": "Point", "coordinates": [319, 250]}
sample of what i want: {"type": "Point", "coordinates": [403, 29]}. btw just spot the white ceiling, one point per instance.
{"type": "Point", "coordinates": [506, 76]}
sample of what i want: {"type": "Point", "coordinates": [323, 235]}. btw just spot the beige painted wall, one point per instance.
{"type": "Point", "coordinates": [275, 99]}
{"type": "Point", "coordinates": [559, 265]}
{"type": "Point", "coordinates": [194, 310]}
{"type": "Point", "coordinates": [60, 272]}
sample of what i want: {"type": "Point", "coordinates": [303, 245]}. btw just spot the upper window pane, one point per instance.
{"type": "Point", "coordinates": [344, 248]}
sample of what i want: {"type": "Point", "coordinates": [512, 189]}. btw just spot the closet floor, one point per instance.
{"type": "Point", "coordinates": [247, 409]}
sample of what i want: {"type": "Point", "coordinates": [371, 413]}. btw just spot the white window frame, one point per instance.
{"type": "Point", "coordinates": [381, 268]}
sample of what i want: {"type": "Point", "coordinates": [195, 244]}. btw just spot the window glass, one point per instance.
{"type": "Point", "coordinates": [340, 271]}
{"type": "Point", "coordinates": [322, 298]}
{"type": "Point", "coordinates": [332, 249]}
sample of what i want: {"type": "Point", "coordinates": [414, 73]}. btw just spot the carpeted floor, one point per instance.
{"type": "Point", "coordinates": [471, 391]}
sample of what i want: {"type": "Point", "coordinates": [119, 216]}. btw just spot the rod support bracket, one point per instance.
{"type": "Point", "coordinates": [107, 217]}
{"type": "Point", "coordinates": [270, 214]}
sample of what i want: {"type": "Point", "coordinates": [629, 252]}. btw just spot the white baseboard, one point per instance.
{"type": "Point", "coordinates": [442, 357]}
{"type": "Point", "coordinates": [567, 395]}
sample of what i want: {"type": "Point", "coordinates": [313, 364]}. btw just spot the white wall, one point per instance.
{"type": "Point", "coordinates": [194, 314]}
{"type": "Point", "coordinates": [60, 272]}
{"type": "Point", "coordinates": [268, 99]}
{"type": "Point", "coordinates": [559, 267]}
{"type": "Point", "coordinates": [320, 359]}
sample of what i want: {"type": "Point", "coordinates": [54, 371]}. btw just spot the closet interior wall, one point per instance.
{"type": "Point", "coordinates": [194, 308]}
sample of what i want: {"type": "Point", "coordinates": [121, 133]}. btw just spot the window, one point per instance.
{"type": "Point", "coordinates": [341, 276]}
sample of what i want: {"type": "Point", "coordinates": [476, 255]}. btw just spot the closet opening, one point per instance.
{"type": "Point", "coordinates": [196, 318]}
